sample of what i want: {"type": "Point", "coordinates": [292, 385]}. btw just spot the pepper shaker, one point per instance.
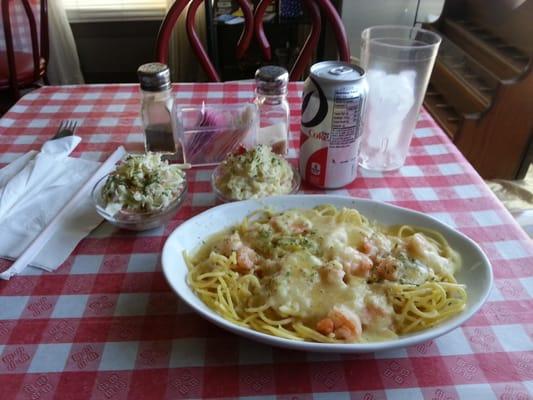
{"type": "Point", "coordinates": [156, 109]}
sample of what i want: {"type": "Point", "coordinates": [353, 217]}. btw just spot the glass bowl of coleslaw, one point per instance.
{"type": "Point", "coordinates": [144, 192]}
{"type": "Point", "coordinates": [253, 174]}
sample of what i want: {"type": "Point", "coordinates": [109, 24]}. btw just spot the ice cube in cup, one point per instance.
{"type": "Point", "coordinates": [398, 61]}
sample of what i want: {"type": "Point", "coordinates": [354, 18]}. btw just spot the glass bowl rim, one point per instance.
{"type": "Point", "coordinates": [96, 199]}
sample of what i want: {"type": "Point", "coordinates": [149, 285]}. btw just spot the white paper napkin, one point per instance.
{"type": "Point", "coordinates": [33, 189]}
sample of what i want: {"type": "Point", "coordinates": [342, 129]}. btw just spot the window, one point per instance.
{"type": "Point", "coordinates": [113, 10]}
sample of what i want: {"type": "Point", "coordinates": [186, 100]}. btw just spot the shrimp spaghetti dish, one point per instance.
{"type": "Point", "coordinates": [327, 275]}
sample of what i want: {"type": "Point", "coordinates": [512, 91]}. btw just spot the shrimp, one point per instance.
{"type": "Point", "coordinates": [246, 256]}
{"type": "Point", "coordinates": [268, 266]}
{"type": "Point", "coordinates": [376, 245]}
{"type": "Point", "coordinates": [299, 227]}
{"type": "Point", "coordinates": [343, 323]}
{"type": "Point", "coordinates": [387, 268]}
{"type": "Point", "coordinates": [325, 326]}
{"type": "Point", "coordinates": [275, 223]}
{"type": "Point", "coordinates": [368, 248]}
{"type": "Point", "coordinates": [364, 266]}
{"type": "Point", "coordinates": [422, 249]}
{"type": "Point", "coordinates": [230, 244]}
{"type": "Point", "coordinates": [355, 262]}
{"type": "Point", "coordinates": [332, 272]}
{"type": "Point", "coordinates": [246, 259]}
{"type": "Point", "coordinates": [417, 245]}
{"type": "Point", "coordinates": [377, 313]}
{"type": "Point", "coordinates": [295, 225]}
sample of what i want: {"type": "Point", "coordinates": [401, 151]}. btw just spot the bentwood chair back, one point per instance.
{"type": "Point", "coordinates": [318, 10]}
{"type": "Point", "coordinates": [23, 44]}
{"type": "Point", "coordinates": [171, 18]}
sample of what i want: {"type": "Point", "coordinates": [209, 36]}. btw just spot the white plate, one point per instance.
{"type": "Point", "coordinates": [476, 271]}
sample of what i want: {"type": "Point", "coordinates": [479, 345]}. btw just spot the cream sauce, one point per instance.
{"type": "Point", "coordinates": [309, 263]}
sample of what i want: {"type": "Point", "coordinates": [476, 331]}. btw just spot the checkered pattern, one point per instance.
{"type": "Point", "coordinates": [106, 325]}
{"type": "Point", "coordinates": [20, 26]}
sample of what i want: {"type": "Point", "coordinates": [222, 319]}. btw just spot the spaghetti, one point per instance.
{"type": "Point", "coordinates": [327, 275]}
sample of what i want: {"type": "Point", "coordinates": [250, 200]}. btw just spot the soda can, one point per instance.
{"type": "Point", "coordinates": [333, 103]}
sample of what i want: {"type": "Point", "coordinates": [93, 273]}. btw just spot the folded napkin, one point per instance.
{"type": "Point", "coordinates": [33, 189]}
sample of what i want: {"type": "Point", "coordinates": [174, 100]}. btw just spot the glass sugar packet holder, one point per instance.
{"type": "Point", "coordinates": [209, 132]}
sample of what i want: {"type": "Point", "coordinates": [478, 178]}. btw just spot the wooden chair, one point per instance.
{"type": "Point", "coordinates": [24, 58]}
{"type": "Point", "coordinates": [315, 9]}
{"type": "Point", "coordinates": [253, 26]}
{"type": "Point", "coordinates": [165, 31]}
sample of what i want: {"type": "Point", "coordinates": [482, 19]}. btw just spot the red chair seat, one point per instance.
{"type": "Point", "coordinates": [24, 68]}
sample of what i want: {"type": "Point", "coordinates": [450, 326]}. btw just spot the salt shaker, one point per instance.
{"type": "Point", "coordinates": [271, 100]}
{"type": "Point", "coordinates": [156, 108]}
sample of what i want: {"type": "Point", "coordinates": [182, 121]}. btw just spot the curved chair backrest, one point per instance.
{"type": "Point", "coordinates": [163, 37]}
{"type": "Point", "coordinates": [38, 39]}
{"type": "Point", "coordinates": [316, 9]}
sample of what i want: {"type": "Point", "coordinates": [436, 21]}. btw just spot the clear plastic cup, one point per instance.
{"type": "Point", "coordinates": [398, 61]}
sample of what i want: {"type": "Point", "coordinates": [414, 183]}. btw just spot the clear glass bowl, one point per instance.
{"type": "Point", "coordinates": [295, 186]}
{"type": "Point", "coordinates": [137, 221]}
{"type": "Point", "coordinates": [209, 132]}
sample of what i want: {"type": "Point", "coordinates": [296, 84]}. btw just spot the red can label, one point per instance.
{"type": "Point", "coordinates": [315, 163]}
{"type": "Point", "coordinates": [330, 134]}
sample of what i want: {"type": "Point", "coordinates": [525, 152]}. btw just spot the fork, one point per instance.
{"type": "Point", "coordinates": [66, 128]}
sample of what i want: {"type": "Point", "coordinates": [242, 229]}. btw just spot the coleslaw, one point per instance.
{"type": "Point", "coordinates": [255, 173]}
{"type": "Point", "coordinates": [143, 183]}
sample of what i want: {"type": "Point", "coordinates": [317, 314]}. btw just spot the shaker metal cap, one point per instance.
{"type": "Point", "coordinates": [154, 77]}
{"type": "Point", "coordinates": [271, 80]}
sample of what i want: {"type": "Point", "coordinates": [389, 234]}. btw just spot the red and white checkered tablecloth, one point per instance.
{"type": "Point", "coordinates": [106, 325]}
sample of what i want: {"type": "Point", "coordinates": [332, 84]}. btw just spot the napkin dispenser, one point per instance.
{"type": "Point", "coordinates": [208, 133]}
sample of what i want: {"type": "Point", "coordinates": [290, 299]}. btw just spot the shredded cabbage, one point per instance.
{"type": "Point", "coordinates": [141, 183]}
